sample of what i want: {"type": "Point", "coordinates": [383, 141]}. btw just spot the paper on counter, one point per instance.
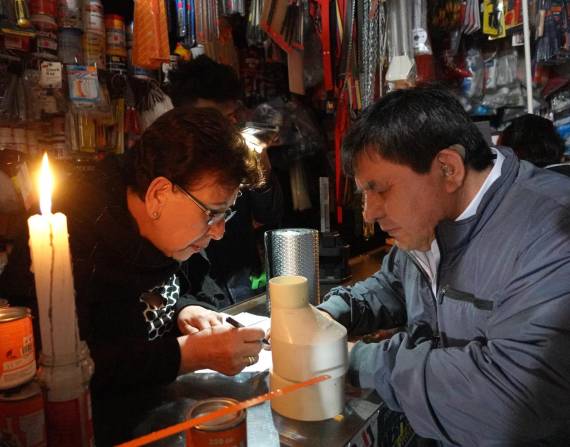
{"type": "Point", "coordinates": [251, 320]}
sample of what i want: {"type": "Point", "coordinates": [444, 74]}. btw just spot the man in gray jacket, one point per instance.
{"type": "Point", "coordinates": [479, 276]}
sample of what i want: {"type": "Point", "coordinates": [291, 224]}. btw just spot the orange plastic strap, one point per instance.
{"type": "Point", "coordinates": [186, 425]}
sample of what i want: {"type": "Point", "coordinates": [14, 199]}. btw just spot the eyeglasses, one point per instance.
{"type": "Point", "coordinates": [213, 216]}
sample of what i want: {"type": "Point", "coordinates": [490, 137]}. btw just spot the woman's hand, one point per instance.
{"type": "Point", "coordinates": [224, 349]}
{"type": "Point", "coordinates": [193, 319]}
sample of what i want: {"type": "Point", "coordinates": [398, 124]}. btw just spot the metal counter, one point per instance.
{"type": "Point", "coordinates": [124, 417]}
{"type": "Point", "coordinates": [121, 419]}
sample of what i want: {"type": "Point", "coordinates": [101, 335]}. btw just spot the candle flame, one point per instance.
{"type": "Point", "coordinates": [45, 186]}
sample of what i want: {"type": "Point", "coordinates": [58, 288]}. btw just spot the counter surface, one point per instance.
{"type": "Point", "coordinates": [118, 419]}
{"type": "Point", "coordinates": [124, 417]}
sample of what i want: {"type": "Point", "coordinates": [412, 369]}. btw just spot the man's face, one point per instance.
{"type": "Point", "coordinates": [406, 205]}
{"type": "Point", "coordinates": [230, 109]}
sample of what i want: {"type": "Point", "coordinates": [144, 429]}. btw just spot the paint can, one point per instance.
{"type": "Point", "coordinates": [46, 36]}
{"type": "Point", "coordinates": [115, 32]}
{"type": "Point", "coordinates": [227, 431]}
{"type": "Point", "coordinates": [22, 416]}
{"type": "Point", "coordinates": [47, 7]}
{"type": "Point", "coordinates": [17, 354]}
{"type": "Point", "coordinates": [93, 14]}
{"type": "Point", "coordinates": [70, 50]}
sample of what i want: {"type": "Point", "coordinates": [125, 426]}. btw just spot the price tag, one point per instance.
{"type": "Point", "coordinates": [50, 74]}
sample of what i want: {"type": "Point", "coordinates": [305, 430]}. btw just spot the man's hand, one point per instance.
{"type": "Point", "coordinates": [224, 349]}
{"type": "Point", "coordinates": [193, 319]}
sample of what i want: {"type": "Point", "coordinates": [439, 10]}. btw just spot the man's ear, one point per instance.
{"type": "Point", "coordinates": [156, 196]}
{"type": "Point", "coordinates": [450, 164]}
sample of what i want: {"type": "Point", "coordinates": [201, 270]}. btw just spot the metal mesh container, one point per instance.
{"type": "Point", "coordinates": [293, 251]}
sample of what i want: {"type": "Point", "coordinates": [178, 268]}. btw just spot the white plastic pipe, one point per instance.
{"type": "Point", "coordinates": [527, 60]}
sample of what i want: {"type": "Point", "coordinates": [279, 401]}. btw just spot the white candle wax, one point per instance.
{"type": "Point", "coordinates": [51, 265]}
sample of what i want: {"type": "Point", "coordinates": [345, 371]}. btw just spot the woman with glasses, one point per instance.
{"type": "Point", "coordinates": [133, 224]}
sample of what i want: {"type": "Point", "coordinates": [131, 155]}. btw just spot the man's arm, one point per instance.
{"type": "Point", "coordinates": [375, 303]}
{"type": "Point", "coordinates": [509, 388]}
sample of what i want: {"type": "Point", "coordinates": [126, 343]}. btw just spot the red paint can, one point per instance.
{"type": "Point", "coordinates": [22, 417]}
{"type": "Point", "coordinates": [70, 422]}
{"type": "Point", "coordinates": [225, 431]}
{"type": "Point", "coordinates": [47, 7]}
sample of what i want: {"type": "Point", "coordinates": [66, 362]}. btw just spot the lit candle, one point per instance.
{"type": "Point", "coordinates": [51, 265]}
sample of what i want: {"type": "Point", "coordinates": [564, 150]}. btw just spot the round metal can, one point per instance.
{"type": "Point", "coordinates": [17, 355]}
{"type": "Point", "coordinates": [47, 7]}
{"type": "Point", "coordinates": [115, 32]}
{"type": "Point", "coordinates": [227, 431]}
{"type": "Point", "coordinates": [22, 416]}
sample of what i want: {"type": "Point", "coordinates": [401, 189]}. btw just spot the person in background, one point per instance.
{"type": "Point", "coordinates": [133, 224]}
{"type": "Point", "coordinates": [534, 138]}
{"type": "Point", "coordinates": [478, 275]}
{"type": "Point", "coordinates": [203, 82]}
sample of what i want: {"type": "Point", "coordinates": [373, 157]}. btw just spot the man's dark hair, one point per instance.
{"type": "Point", "coordinates": [411, 126]}
{"type": "Point", "coordinates": [203, 78]}
{"type": "Point", "coordinates": [187, 143]}
{"type": "Point", "coordinates": [535, 139]}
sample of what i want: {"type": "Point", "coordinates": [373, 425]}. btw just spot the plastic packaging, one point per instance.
{"type": "Point", "coordinates": [304, 344]}
{"type": "Point", "coordinates": [150, 37]}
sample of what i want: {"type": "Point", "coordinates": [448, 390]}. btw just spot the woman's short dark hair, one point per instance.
{"type": "Point", "coordinates": [411, 126]}
{"type": "Point", "coordinates": [535, 139]}
{"type": "Point", "coordinates": [203, 78]}
{"type": "Point", "coordinates": [187, 143]}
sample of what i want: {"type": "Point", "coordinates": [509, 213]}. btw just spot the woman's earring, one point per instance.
{"type": "Point", "coordinates": [155, 215]}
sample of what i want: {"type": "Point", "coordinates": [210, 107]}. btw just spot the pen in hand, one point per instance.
{"type": "Point", "coordinates": [237, 324]}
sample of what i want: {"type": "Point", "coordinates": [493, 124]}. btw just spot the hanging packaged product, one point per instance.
{"type": "Point", "coordinates": [137, 72]}
{"type": "Point", "coordinates": [117, 64]}
{"type": "Point", "coordinates": [50, 74]}
{"type": "Point", "coordinates": [70, 50]}
{"type": "Point", "coordinates": [94, 49]}
{"type": "Point", "coordinates": [83, 86]}
{"type": "Point", "coordinates": [150, 40]}
{"type": "Point", "coordinates": [115, 33]}
{"type": "Point", "coordinates": [69, 14]}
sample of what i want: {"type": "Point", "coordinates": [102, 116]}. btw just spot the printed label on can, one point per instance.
{"type": "Point", "coordinates": [22, 417]}
{"type": "Point", "coordinates": [17, 356]}
{"type": "Point", "coordinates": [228, 431]}
{"type": "Point", "coordinates": [46, 41]}
{"type": "Point", "coordinates": [233, 437]}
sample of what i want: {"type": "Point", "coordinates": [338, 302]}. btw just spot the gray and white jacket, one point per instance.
{"type": "Point", "coordinates": [485, 362]}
